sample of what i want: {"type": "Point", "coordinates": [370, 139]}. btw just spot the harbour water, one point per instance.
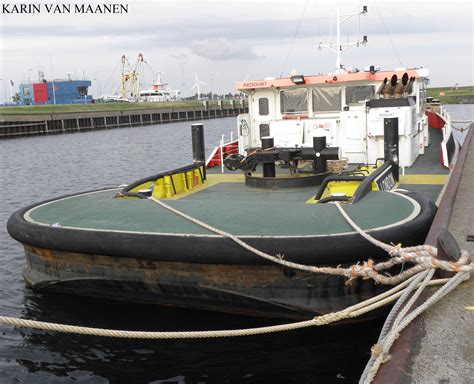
{"type": "Point", "coordinates": [37, 168]}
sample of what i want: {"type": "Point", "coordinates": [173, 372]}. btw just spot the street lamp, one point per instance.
{"type": "Point", "coordinates": [100, 90]}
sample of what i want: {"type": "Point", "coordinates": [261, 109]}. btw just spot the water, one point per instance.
{"type": "Point", "coordinates": [460, 112]}
{"type": "Point", "coordinates": [41, 167]}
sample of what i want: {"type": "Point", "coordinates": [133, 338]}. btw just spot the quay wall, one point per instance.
{"type": "Point", "coordinates": [53, 123]}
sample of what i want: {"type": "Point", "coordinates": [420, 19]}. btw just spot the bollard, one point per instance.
{"type": "Point", "coordinates": [199, 151]}
{"type": "Point", "coordinates": [319, 143]}
{"type": "Point", "coordinates": [268, 168]}
{"type": "Point", "coordinates": [390, 132]}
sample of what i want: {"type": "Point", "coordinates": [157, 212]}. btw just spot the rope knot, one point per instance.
{"type": "Point", "coordinates": [377, 350]}
{"type": "Point", "coordinates": [367, 269]}
{"type": "Point", "coordinates": [396, 252]}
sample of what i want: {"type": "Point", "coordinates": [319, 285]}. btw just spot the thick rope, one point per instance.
{"type": "Point", "coordinates": [368, 270]}
{"type": "Point", "coordinates": [398, 305]}
{"type": "Point", "coordinates": [380, 351]}
{"type": "Point", "coordinates": [423, 256]}
{"type": "Point", "coordinates": [391, 317]}
{"type": "Point", "coordinates": [350, 312]}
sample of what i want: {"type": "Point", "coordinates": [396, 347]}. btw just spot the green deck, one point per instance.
{"type": "Point", "coordinates": [233, 207]}
{"type": "Point", "coordinates": [228, 206]}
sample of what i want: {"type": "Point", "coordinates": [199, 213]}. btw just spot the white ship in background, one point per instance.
{"type": "Point", "coordinates": [159, 92]}
{"type": "Point", "coordinates": [131, 81]}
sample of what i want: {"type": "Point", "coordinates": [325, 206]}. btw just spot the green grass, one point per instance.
{"type": "Point", "coordinates": [447, 95]}
{"type": "Point", "coordinates": [99, 107]}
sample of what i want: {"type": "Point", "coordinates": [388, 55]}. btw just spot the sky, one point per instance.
{"type": "Point", "coordinates": [228, 41]}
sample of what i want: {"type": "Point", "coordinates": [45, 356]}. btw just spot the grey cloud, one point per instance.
{"type": "Point", "coordinates": [223, 49]}
{"type": "Point", "coordinates": [180, 57]}
{"type": "Point", "coordinates": [166, 33]}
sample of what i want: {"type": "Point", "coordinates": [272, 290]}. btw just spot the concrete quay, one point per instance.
{"type": "Point", "coordinates": [438, 346]}
{"type": "Point", "coordinates": [39, 124]}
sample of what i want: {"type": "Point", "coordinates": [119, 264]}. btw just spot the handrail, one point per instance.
{"type": "Point", "coordinates": [185, 168]}
{"type": "Point", "coordinates": [366, 186]}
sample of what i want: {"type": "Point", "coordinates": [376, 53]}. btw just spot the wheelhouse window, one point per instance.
{"type": "Point", "coordinates": [263, 109]}
{"type": "Point", "coordinates": [294, 101]}
{"type": "Point", "coordinates": [326, 99]}
{"type": "Point", "coordinates": [359, 93]}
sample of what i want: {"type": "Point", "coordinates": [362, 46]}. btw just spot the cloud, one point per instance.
{"type": "Point", "coordinates": [220, 48]}
{"type": "Point", "coordinates": [179, 56]}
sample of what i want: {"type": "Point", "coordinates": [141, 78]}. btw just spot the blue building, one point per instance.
{"type": "Point", "coordinates": [56, 92]}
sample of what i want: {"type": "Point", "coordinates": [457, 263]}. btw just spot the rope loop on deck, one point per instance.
{"type": "Point", "coordinates": [423, 256]}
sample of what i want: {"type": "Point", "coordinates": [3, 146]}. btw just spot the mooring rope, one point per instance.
{"type": "Point", "coordinates": [350, 312]}
{"type": "Point", "coordinates": [380, 351]}
{"type": "Point", "coordinates": [424, 256]}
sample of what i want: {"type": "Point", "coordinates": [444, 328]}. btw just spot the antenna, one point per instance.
{"type": "Point", "coordinates": [341, 47]}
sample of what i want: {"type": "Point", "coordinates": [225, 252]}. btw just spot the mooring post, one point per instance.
{"type": "Point", "coordinates": [268, 168]}
{"type": "Point", "coordinates": [391, 152]}
{"type": "Point", "coordinates": [319, 143]}
{"type": "Point", "coordinates": [199, 150]}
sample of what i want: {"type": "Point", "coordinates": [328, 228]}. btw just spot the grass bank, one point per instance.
{"type": "Point", "coordinates": [449, 95]}
{"type": "Point", "coordinates": [100, 107]}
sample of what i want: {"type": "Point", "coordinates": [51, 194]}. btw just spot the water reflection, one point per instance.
{"type": "Point", "coordinates": [299, 356]}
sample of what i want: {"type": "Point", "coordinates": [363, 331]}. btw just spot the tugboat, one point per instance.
{"type": "Point", "coordinates": [360, 139]}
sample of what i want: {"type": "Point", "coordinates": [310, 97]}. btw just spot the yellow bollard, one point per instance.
{"type": "Point", "coordinates": [168, 188]}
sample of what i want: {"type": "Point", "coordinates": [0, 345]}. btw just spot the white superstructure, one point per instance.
{"type": "Point", "coordinates": [347, 106]}
{"type": "Point", "coordinates": [160, 92]}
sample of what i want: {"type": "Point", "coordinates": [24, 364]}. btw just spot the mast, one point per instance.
{"type": "Point", "coordinates": [124, 79]}
{"type": "Point", "coordinates": [139, 71]}
{"type": "Point", "coordinates": [341, 47]}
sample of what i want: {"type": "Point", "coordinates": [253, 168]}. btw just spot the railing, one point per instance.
{"type": "Point", "coordinates": [227, 149]}
{"type": "Point", "coordinates": [222, 150]}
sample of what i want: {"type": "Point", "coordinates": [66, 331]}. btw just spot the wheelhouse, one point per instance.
{"type": "Point", "coordinates": [347, 108]}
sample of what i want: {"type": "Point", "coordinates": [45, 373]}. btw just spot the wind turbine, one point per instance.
{"type": "Point", "coordinates": [197, 84]}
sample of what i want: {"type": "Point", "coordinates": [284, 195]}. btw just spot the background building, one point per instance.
{"type": "Point", "coordinates": [55, 92]}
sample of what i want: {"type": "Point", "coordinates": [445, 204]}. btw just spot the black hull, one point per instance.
{"type": "Point", "coordinates": [263, 291]}
{"type": "Point", "coordinates": [206, 272]}
{"type": "Point", "coordinates": [312, 250]}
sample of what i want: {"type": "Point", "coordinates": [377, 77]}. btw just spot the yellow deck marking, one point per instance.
{"type": "Point", "coordinates": [471, 308]}
{"type": "Point", "coordinates": [423, 179]}
{"type": "Point", "coordinates": [212, 179]}
{"type": "Point", "coordinates": [216, 178]}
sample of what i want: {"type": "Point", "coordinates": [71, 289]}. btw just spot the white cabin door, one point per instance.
{"type": "Point", "coordinates": [262, 111]}
{"type": "Point", "coordinates": [352, 134]}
